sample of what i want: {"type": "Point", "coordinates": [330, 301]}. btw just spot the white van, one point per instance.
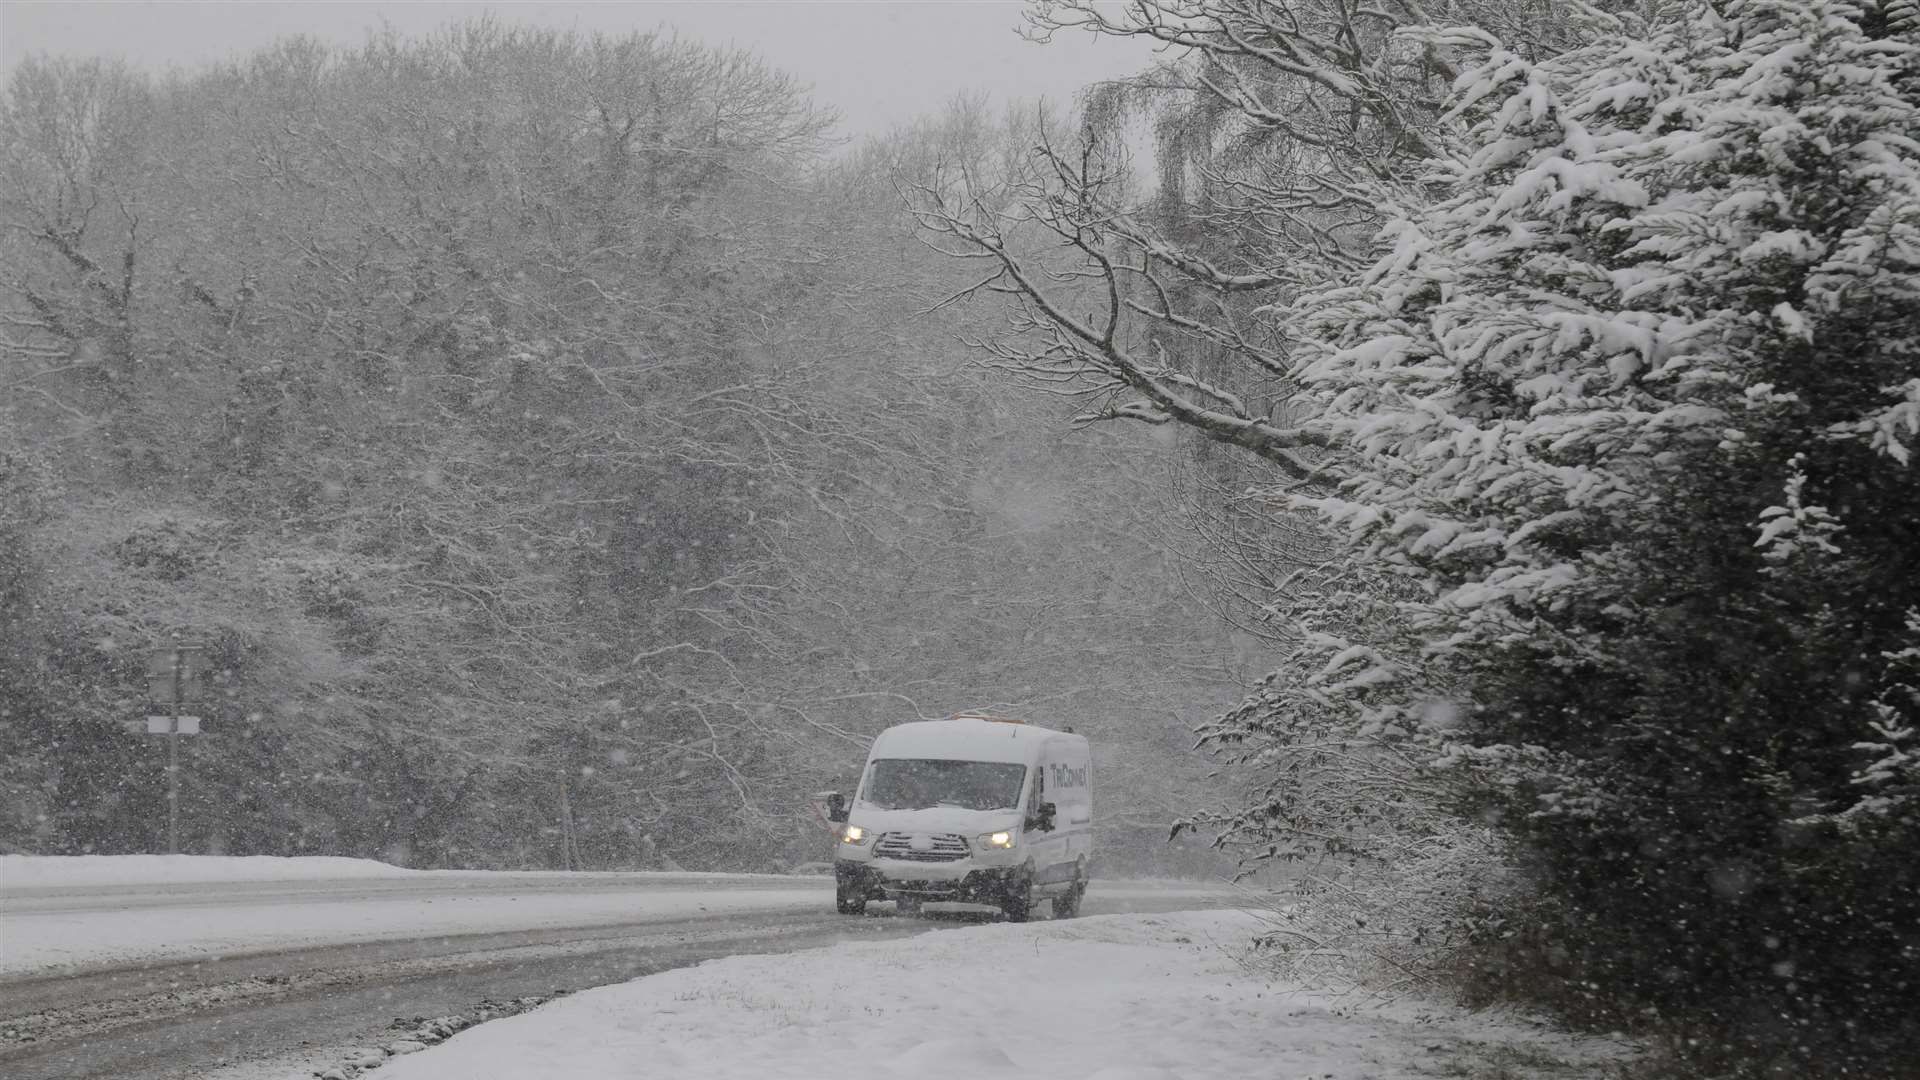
{"type": "Point", "coordinates": [979, 810]}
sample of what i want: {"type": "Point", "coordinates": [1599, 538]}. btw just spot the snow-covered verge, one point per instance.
{"type": "Point", "coordinates": [51, 941]}
{"type": "Point", "coordinates": [71, 914]}
{"type": "Point", "coordinates": [1121, 997]}
{"type": "Point", "coordinates": [45, 872]}
{"type": "Point", "coordinates": [79, 871]}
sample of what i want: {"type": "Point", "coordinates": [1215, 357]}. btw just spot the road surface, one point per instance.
{"type": "Point", "coordinates": [274, 1009]}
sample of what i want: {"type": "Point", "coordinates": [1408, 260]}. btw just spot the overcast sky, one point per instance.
{"type": "Point", "coordinates": [880, 62]}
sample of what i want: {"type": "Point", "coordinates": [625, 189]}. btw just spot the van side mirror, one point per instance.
{"type": "Point", "coordinates": [836, 807]}
{"type": "Point", "coordinates": [1042, 817]}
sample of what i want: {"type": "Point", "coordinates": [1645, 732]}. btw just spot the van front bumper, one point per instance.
{"type": "Point", "coordinates": [885, 879]}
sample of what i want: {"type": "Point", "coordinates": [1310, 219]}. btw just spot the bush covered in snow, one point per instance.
{"type": "Point", "coordinates": [1436, 913]}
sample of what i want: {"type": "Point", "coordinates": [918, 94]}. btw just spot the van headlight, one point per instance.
{"type": "Point", "coordinates": [855, 835]}
{"type": "Point", "coordinates": [1002, 840]}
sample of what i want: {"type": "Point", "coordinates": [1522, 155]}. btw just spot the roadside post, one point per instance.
{"type": "Point", "coordinates": [173, 681]}
{"type": "Point", "coordinates": [569, 840]}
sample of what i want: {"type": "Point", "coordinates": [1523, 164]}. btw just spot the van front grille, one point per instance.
{"type": "Point", "coordinates": [939, 847]}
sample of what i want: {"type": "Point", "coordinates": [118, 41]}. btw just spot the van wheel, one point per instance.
{"type": "Point", "coordinates": [1019, 902]}
{"type": "Point", "coordinates": [1067, 904]}
{"type": "Point", "coordinates": [906, 905]}
{"type": "Point", "coordinates": [850, 901]}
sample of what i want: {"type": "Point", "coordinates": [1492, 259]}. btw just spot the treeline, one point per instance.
{"type": "Point", "coordinates": [520, 416]}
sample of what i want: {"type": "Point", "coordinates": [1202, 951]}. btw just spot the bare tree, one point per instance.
{"type": "Point", "coordinates": [1152, 293]}
{"type": "Point", "coordinates": [1276, 126]}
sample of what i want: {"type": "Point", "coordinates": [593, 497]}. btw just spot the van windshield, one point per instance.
{"type": "Point", "coordinates": [918, 783]}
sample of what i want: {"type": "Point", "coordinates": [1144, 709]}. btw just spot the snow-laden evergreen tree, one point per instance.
{"type": "Point", "coordinates": [1632, 397]}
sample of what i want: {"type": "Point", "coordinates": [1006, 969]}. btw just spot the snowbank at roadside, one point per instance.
{"type": "Point", "coordinates": [69, 927]}
{"type": "Point", "coordinates": [20, 873]}
{"type": "Point", "coordinates": [43, 941]}
{"type": "Point", "coordinates": [1120, 997]}
{"type": "Point", "coordinates": [90, 912]}
{"type": "Point", "coordinates": [85, 871]}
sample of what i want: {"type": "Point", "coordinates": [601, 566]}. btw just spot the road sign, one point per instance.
{"type": "Point", "coordinates": [162, 676]}
{"type": "Point", "coordinates": [173, 678]}
{"type": "Point", "coordinates": [173, 673]}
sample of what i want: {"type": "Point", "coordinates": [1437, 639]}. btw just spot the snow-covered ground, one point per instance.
{"type": "Point", "coordinates": [1120, 997]}
{"type": "Point", "coordinates": [1106, 997]}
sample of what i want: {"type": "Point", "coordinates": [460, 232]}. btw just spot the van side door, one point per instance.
{"type": "Point", "coordinates": [1052, 856]}
{"type": "Point", "coordinates": [1076, 804]}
